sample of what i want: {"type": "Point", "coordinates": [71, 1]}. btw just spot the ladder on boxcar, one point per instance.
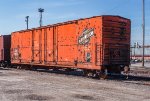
{"type": "Point", "coordinates": [99, 54]}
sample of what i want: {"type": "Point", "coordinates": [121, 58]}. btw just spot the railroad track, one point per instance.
{"type": "Point", "coordinates": [140, 71]}
{"type": "Point", "coordinates": [136, 74]}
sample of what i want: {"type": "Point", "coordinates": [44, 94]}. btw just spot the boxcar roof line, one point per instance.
{"type": "Point", "coordinates": [67, 22]}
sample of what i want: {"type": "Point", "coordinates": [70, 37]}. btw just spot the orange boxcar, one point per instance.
{"type": "Point", "coordinates": [93, 44]}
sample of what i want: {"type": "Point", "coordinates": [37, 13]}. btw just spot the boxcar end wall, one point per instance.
{"type": "Point", "coordinates": [5, 43]}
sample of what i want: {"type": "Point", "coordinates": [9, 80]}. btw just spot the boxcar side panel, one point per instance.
{"type": "Point", "coordinates": [26, 47]}
{"type": "Point", "coordinates": [89, 40]}
{"type": "Point", "coordinates": [36, 45]}
{"type": "Point", "coordinates": [67, 44]}
{"type": "Point", "coordinates": [49, 45]}
{"type": "Point", "coordinates": [15, 47]}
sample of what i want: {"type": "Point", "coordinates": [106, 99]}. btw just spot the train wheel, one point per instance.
{"type": "Point", "coordinates": [85, 73]}
{"type": "Point", "coordinates": [2, 65]}
{"type": "Point", "coordinates": [89, 73]}
{"type": "Point", "coordinates": [19, 67]}
{"type": "Point", "coordinates": [103, 74]}
{"type": "Point", "coordinates": [126, 71]}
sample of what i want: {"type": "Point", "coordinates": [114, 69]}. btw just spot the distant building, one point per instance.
{"type": "Point", "coordinates": [136, 53]}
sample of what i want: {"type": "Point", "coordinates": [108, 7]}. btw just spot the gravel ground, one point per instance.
{"type": "Point", "coordinates": [23, 85]}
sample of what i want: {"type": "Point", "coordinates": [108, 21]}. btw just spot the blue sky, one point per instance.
{"type": "Point", "coordinates": [13, 12]}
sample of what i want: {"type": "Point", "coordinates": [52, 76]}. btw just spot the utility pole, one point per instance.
{"type": "Point", "coordinates": [143, 26]}
{"type": "Point", "coordinates": [27, 21]}
{"type": "Point", "coordinates": [134, 50]}
{"type": "Point", "coordinates": [41, 11]}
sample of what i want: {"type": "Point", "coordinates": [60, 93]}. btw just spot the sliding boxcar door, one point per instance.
{"type": "Point", "coordinates": [48, 45]}
{"type": "Point", "coordinates": [36, 46]}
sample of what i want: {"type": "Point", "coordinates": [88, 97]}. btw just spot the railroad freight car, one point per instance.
{"type": "Point", "coordinates": [97, 45]}
{"type": "Point", "coordinates": [5, 41]}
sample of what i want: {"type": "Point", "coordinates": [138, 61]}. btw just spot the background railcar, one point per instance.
{"type": "Point", "coordinates": [93, 44]}
{"type": "Point", "coordinates": [5, 42]}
